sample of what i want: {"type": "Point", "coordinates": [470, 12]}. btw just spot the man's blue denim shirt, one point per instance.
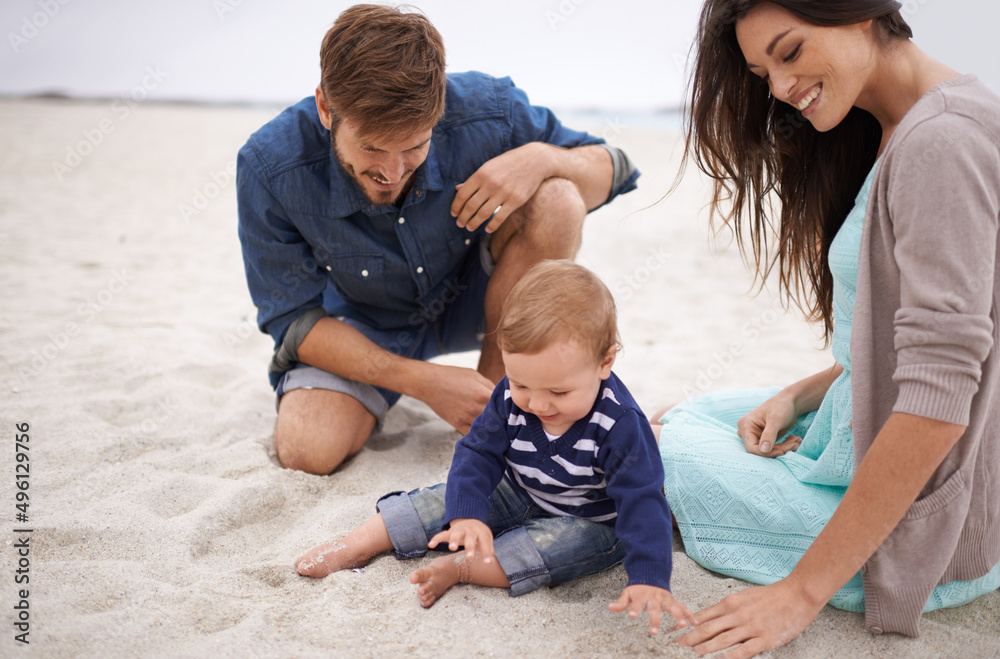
{"type": "Point", "coordinates": [311, 238]}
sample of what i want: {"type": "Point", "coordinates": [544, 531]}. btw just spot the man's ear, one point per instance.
{"type": "Point", "coordinates": [608, 362]}
{"type": "Point", "coordinates": [324, 110]}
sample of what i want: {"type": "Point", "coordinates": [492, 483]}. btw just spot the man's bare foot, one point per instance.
{"type": "Point", "coordinates": [360, 545]}
{"type": "Point", "coordinates": [440, 574]}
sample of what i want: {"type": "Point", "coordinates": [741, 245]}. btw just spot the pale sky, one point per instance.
{"type": "Point", "coordinates": [611, 55]}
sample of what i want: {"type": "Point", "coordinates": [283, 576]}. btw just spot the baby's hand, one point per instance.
{"type": "Point", "coordinates": [639, 597]}
{"type": "Point", "coordinates": [469, 533]}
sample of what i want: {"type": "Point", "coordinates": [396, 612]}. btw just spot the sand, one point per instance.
{"type": "Point", "coordinates": [161, 523]}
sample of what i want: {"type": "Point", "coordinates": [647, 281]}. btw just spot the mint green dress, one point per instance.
{"type": "Point", "coordinates": [751, 517]}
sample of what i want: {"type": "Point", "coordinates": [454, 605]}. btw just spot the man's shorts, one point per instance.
{"type": "Point", "coordinates": [459, 326]}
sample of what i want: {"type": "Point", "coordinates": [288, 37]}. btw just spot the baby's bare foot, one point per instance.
{"type": "Point", "coordinates": [331, 557]}
{"type": "Point", "coordinates": [356, 549]}
{"type": "Point", "coordinates": [441, 574]}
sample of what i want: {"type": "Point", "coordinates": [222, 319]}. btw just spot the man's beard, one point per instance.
{"type": "Point", "coordinates": [377, 197]}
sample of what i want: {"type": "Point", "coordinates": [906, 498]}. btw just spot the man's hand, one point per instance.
{"type": "Point", "coordinates": [638, 598]}
{"type": "Point", "coordinates": [506, 183]}
{"type": "Point", "coordinates": [457, 395]}
{"type": "Point", "coordinates": [469, 533]}
{"type": "Point", "coordinates": [753, 620]}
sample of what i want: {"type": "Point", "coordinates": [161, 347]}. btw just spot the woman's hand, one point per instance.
{"type": "Point", "coordinates": [761, 428]}
{"type": "Point", "coordinates": [901, 460]}
{"type": "Point", "coordinates": [753, 620]}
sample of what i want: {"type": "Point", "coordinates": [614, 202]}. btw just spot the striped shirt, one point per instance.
{"type": "Point", "coordinates": [605, 468]}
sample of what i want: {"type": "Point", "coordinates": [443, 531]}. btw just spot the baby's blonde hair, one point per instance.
{"type": "Point", "coordinates": [558, 300]}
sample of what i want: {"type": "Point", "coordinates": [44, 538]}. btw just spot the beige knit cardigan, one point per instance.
{"type": "Point", "coordinates": [924, 340]}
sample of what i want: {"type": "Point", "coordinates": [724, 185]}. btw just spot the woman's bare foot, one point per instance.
{"type": "Point", "coordinates": [657, 428]}
{"type": "Point", "coordinates": [445, 571]}
{"type": "Point", "coordinates": [658, 414]}
{"type": "Point", "coordinates": [654, 420]}
{"type": "Point", "coordinates": [360, 545]}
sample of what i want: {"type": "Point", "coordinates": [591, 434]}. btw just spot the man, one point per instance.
{"type": "Point", "coordinates": [384, 222]}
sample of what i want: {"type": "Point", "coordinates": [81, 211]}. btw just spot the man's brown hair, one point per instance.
{"type": "Point", "coordinates": [558, 300]}
{"type": "Point", "coordinates": [383, 69]}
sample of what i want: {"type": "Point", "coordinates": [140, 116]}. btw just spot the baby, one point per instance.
{"type": "Point", "coordinates": [558, 478]}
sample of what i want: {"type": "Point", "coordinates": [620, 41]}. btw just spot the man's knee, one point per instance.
{"type": "Point", "coordinates": [553, 217]}
{"type": "Point", "coordinates": [560, 199]}
{"type": "Point", "coordinates": [296, 450]}
{"type": "Point", "coordinates": [317, 430]}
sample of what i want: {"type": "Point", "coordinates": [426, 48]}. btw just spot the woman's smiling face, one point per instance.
{"type": "Point", "coordinates": [820, 71]}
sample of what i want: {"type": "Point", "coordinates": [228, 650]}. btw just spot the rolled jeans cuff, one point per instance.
{"type": "Point", "coordinates": [406, 531]}
{"type": "Point", "coordinates": [521, 562]}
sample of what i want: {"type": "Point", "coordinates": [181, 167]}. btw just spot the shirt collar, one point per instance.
{"type": "Point", "coordinates": [345, 197]}
{"type": "Point", "coordinates": [431, 170]}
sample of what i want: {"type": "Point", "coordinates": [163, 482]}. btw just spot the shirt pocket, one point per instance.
{"type": "Point", "coordinates": [359, 277]}
{"type": "Point", "coordinates": [937, 500]}
{"type": "Point", "coordinates": [461, 241]}
{"type": "Point", "coordinates": [462, 245]}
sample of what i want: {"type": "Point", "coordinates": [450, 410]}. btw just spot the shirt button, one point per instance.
{"type": "Point", "coordinates": [402, 220]}
{"type": "Point", "coordinates": [329, 268]}
{"type": "Point", "coordinates": [468, 240]}
{"type": "Point", "coordinates": [364, 273]}
{"type": "Point", "coordinates": [420, 269]}
{"type": "Point", "coordinates": [419, 193]}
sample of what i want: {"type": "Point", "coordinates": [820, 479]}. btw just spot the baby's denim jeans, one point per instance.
{"type": "Point", "coordinates": [532, 546]}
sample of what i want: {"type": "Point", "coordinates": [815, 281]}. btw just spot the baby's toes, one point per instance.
{"type": "Point", "coordinates": [312, 566]}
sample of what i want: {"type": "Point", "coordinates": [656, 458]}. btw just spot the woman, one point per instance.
{"type": "Point", "coordinates": [873, 485]}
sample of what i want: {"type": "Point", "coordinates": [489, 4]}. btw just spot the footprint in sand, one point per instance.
{"type": "Point", "coordinates": [386, 441]}
{"type": "Point", "coordinates": [235, 505]}
{"type": "Point", "coordinates": [217, 376]}
{"type": "Point", "coordinates": [274, 576]}
{"type": "Point", "coordinates": [178, 496]}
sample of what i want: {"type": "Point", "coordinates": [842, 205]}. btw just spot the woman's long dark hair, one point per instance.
{"type": "Point", "coordinates": [759, 150]}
